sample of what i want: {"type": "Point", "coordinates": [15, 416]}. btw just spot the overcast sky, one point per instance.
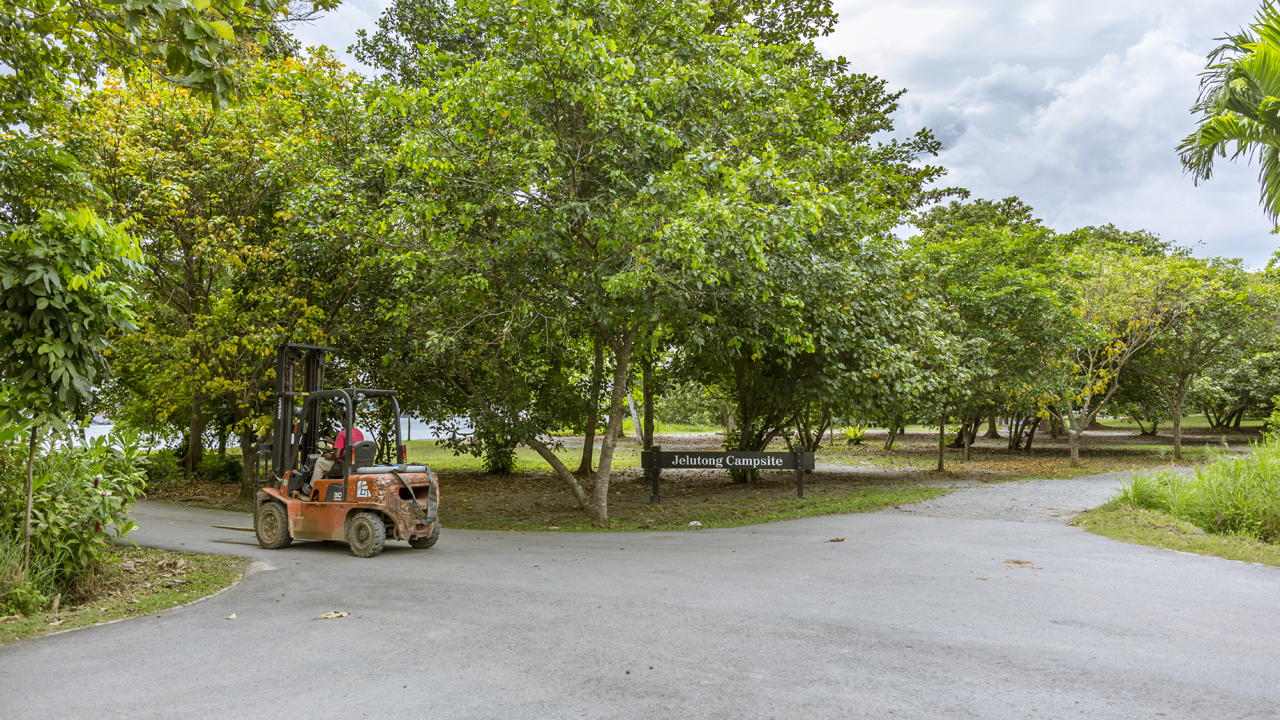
{"type": "Point", "coordinates": [1075, 106]}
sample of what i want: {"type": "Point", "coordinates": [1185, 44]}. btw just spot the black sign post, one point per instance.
{"type": "Point", "coordinates": [656, 460]}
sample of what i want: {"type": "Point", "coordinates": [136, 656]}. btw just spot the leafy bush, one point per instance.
{"type": "Point", "coordinates": [82, 497]}
{"type": "Point", "coordinates": [162, 466]}
{"type": "Point", "coordinates": [1232, 495]}
{"type": "Point", "coordinates": [691, 403]}
{"type": "Point", "coordinates": [221, 470]}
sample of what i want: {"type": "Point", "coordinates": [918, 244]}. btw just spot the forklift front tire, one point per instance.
{"type": "Point", "coordinates": [367, 535]}
{"type": "Point", "coordinates": [271, 524]}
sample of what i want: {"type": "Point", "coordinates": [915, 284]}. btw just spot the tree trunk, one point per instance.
{"type": "Point", "coordinates": [26, 525]}
{"type": "Point", "coordinates": [249, 454]}
{"type": "Point", "coordinates": [570, 479]}
{"type": "Point", "coordinates": [942, 439]}
{"type": "Point", "coordinates": [1239, 417]}
{"type": "Point", "coordinates": [894, 426]}
{"type": "Point", "coordinates": [1073, 439]}
{"type": "Point", "coordinates": [993, 432]}
{"type": "Point", "coordinates": [646, 391]}
{"type": "Point", "coordinates": [195, 435]}
{"type": "Point", "coordinates": [597, 377]}
{"type": "Point", "coordinates": [968, 436]}
{"type": "Point", "coordinates": [1035, 423]}
{"type": "Point", "coordinates": [617, 407]}
{"type": "Point", "coordinates": [222, 441]}
{"type": "Point", "coordinates": [1177, 425]}
{"type": "Point", "coordinates": [1141, 429]}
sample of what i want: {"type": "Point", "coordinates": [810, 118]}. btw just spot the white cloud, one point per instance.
{"type": "Point", "coordinates": [1074, 105]}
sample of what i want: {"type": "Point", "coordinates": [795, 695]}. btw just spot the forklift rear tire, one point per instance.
{"type": "Point", "coordinates": [271, 525]}
{"type": "Point", "coordinates": [423, 543]}
{"type": "Point", "coordinates": [368, 535]}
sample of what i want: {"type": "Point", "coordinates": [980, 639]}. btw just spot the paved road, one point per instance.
{"type": "Point", "coordinates": [910, 617]}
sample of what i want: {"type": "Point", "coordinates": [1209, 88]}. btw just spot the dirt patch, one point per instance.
{"type": "Point", "coordinates": [201, 493]}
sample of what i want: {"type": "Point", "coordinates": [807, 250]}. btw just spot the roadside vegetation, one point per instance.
{"type": "Point", "coordinates": [129, 582]}
{"type": "Point", "coordinates": [76, 571]}
{"type": "Point", "coordinates": [1231, 495]}
{"type": "Point", "coordinates": [1128, 523]}
{"type": "Point", "coordinates": [81, 496]}
{"type": "Point", "coordinates": [1227, 507]}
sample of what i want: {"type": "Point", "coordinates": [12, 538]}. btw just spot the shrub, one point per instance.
{"type": "Point", "coordinates": [81, 501]}
{"type": "Point", "coordinates": [162, 466]}
{"type": "Point", "coordinates": [1231, 495]}
{"type": "Point", "coordinates": [691, 403]}
{"type": "Point", "coordinates": [221, 470]}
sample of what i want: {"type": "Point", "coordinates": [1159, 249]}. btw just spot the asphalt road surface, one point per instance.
{"type": "Point", "coordinates": [918, 614]}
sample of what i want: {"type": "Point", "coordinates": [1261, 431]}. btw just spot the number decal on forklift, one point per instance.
{"type": "Point", "coordinates": [362, 489]}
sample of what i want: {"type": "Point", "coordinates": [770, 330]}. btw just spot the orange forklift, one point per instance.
{"type": "Point", "coordinates": [364, 499]}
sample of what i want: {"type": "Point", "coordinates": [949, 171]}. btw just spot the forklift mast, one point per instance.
{"type": "Point", "coordinates": [284, 455]}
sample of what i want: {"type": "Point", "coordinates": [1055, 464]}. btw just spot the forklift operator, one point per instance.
{"type": "Point", "coordinates": [326, 461]}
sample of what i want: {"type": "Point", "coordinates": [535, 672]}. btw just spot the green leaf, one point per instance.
{"type": "Point", "coordinates": [223, 28]}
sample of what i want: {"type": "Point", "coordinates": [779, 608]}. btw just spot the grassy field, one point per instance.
{"type": "Point", "coordinates": [1157, 529]}
{"type": "Point", "coordinates": [868, 474]}
{"type": "Point", "coordinates": [134, 582]}
{"type": "Point", "coordinates": [536, 503]}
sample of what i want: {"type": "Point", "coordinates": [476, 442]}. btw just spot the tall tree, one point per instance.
{"type": "Point", "coordinates": [230, 269]}
{"type": "Point", "coordinates": [640, 159]}
{"type": "Point", "coordinates": [1125, 302]}
{"type": "Point", "coordinates": [1009, 281]}
{"type": "Point", "coordinates": [1229, 312]}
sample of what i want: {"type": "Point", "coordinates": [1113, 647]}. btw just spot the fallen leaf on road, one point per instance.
{"type": "Point", "coordinates": [232, 616]}
{"type": "Point", "coordinates": [334, 614]}
{"type": "Point", "coordinates": [836, 540]}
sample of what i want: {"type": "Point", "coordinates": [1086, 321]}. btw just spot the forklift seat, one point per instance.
{"type": "Point", "coordinates": [363, 453]}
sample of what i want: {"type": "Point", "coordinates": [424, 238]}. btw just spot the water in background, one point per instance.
{"type": "Point", "coordinates": [410, 429]}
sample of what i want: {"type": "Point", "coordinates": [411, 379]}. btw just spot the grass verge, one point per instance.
{"type": "Point", "coordinates": [134, 582]}
{"type": "Point", "coordinates": [721, 512]}
{"type": "Point", "coordinates": [1127, 523]}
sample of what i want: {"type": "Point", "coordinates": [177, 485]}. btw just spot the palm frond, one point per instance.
{"type": "Point", "coordinates": [1269, 178]}
{"type": "Point", "coordinates": [1267, 23]}
{"type": "Point", "coordinates": [1238, 107]}
{"type": "Point", "coordinates": [1215, 137]}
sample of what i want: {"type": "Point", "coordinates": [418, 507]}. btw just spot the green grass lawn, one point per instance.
{"type": "Point", "coordinates": [1190, 422]}
{"type": "Point", "coordinates": [723, 510]}
{"type": "Point", "coordinates": [1127, 523]}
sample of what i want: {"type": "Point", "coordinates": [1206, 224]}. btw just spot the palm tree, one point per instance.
{"type": "Point", "coordinates": [1239, 107]}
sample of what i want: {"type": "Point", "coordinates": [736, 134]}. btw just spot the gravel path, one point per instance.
{"type": "Point", "coordinates": [1054, 501]}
